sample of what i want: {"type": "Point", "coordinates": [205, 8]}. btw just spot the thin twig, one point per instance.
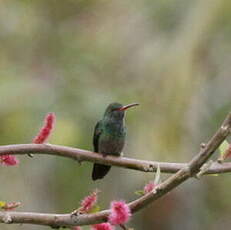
{"type": "Point", "coordinates": [85, 155]}
{"type": "Point", "coordinates": [123, 227]}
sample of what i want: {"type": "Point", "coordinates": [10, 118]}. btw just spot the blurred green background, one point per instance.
{"type": "Point", "coordinates": [74, 57]}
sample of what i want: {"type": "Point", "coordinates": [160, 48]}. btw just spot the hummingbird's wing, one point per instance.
{"type": "Point", "coordinates": [97, 133]}
{"type": "Point", "coordinates": [99, 171]}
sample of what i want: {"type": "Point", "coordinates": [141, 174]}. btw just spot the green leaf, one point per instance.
{"type": "Point", "coordinates": [223, 147]}
{"type": "Point", "coordinates": [139, 192]}
{"type": "Point", "coordinates": [157, 175]}
{"type": "Point", "coordinates": [213, 174]}
{"type": "Point", "coordinates": [2, 204]}
{"type": "Point", "coordinates": [95, 208]}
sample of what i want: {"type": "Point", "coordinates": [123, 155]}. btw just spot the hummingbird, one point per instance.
{"type": "Point", "coordinates": [109, 136]}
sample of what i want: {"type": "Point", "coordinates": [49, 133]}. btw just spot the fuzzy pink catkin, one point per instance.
{"type": "Point", "coordinates": [9, 160]}
{"type": "Point", "coordinates": [149, 187]}
{"type": "Point", "coordinates": [45, 131]}
{"type": "Point", "coordinates": [103, 226]}
{"type": "Point", "coordinates": [89, 201]}
{"type": "Point", "coordinates": [11, 206]}
{"type": "Point", "coordinates": [120, 213]}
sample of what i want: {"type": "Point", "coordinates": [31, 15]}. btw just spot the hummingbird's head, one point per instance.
{"type": "Point", "coordinates": [116, 110]}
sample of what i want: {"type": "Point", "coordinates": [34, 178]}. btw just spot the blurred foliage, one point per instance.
{"type": "Point", "coordinates": [74, 57]}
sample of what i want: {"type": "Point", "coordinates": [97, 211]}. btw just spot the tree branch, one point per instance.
{"type": "Point", "coordinates": [83, 155]}
{"type": "Point", "coordinates": [57, 220]}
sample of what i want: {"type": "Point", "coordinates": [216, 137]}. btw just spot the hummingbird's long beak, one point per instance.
{"type": "Point", "coordinates": [125, 107]}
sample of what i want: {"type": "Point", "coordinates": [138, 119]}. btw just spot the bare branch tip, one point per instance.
{"type": "Point", "coordinates": [202, 145]}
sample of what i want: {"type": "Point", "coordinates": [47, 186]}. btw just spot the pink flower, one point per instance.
{"type": "Point", "coordinates": [9, 160]}
{"type": "Point", "coordinates": [76, 228]}
{"type": "Point", "coordinates": [149, 187]}
{"type": "Point", "coordinates": [89, 201]}
{"type": "Point", "coordinates": [103, 226]}
{"type": "Point", "coordinates": [45, 131]}
{"type": "Point", "coordinates": [120, 213]}
{"type": "Point", "coordinates": [10, 206]}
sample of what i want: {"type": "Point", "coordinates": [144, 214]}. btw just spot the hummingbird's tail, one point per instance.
{"type": "Point", "coordinates": [99, 171]}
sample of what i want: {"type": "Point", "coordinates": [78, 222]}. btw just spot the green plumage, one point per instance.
{"type": "Point", "coordinates": [109, 136]}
